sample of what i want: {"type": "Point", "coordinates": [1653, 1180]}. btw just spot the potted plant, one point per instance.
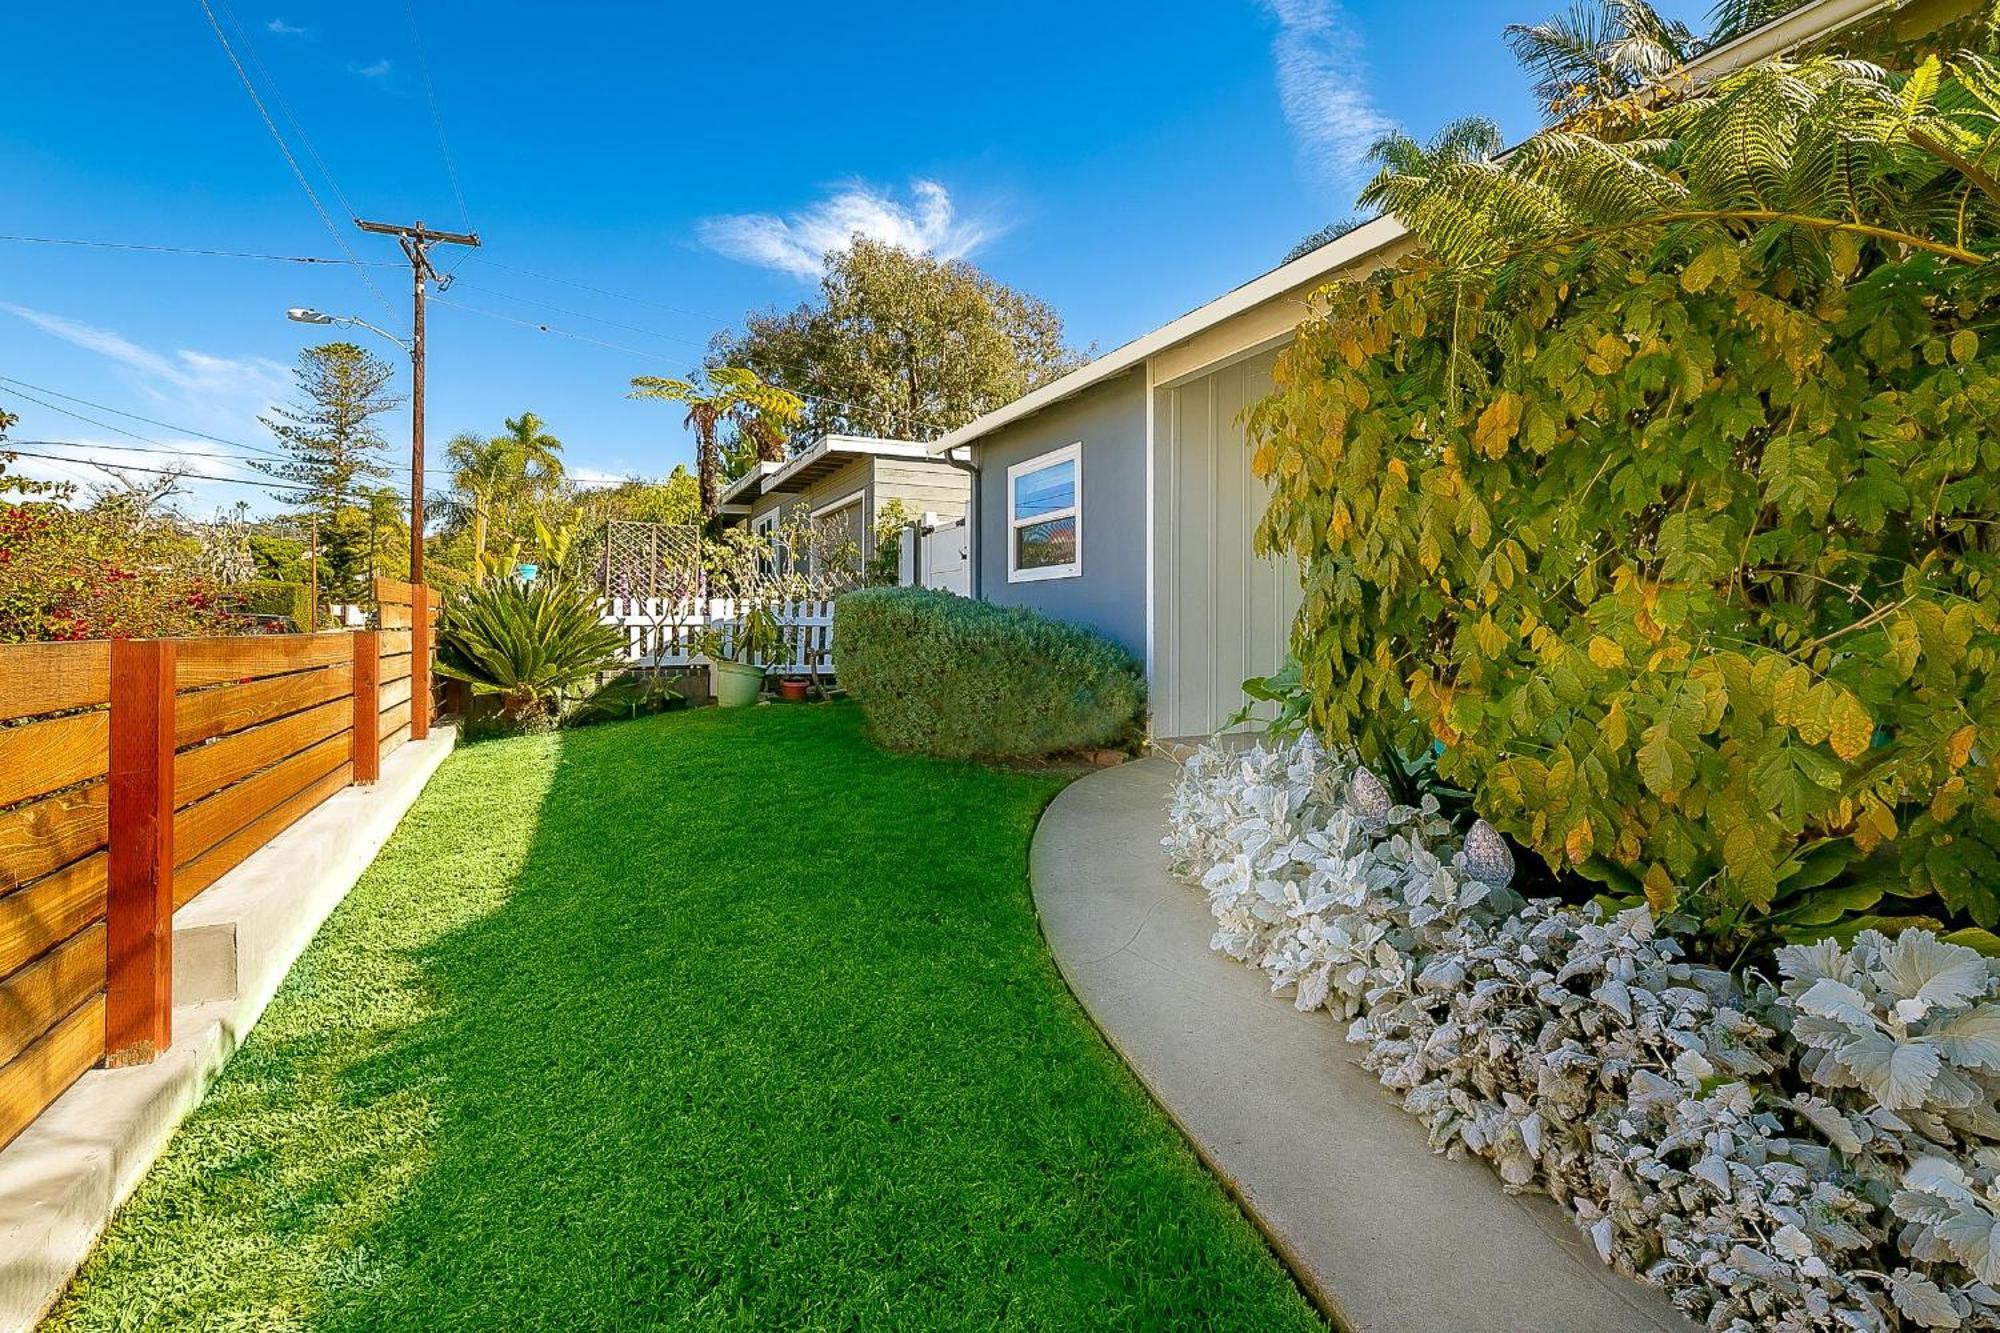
{"type": "Point", "coordinates": [792, 689]}
{"type": "Point", "coordinates": [734, 676]}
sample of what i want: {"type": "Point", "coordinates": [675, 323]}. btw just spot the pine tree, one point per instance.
{"type": "Point", "coordinates": [329, 437]}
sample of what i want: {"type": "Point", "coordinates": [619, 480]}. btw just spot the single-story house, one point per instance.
{"type": "Point", "coordinates": [1120, 496]}
{"type": "Point", "coordinates": [849, 481]}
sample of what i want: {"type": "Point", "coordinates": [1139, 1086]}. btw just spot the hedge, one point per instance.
{"type": "Point", "coordinates": [969, 680]}
{"type": "Point", "coordinates": [275, 597]}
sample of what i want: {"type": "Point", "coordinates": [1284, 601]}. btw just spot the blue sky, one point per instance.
{"type": "Point", "coordinates": [1125, 162]}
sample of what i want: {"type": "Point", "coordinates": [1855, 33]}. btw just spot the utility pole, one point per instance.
{"type": "Point", "coordinates": [416, 240]}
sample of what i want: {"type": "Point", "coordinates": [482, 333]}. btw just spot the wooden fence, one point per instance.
{"type": "Point", "coordinates": [660, 633]}
{"type": "Point", "coordinates": [133, 775]}
{"type": "Point", "coordinates": [407, 702]}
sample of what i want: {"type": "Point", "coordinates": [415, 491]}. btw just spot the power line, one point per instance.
{"type": "Point", "coordinates": [490, 262]}
{"type": "Point", "coordinates": [904, 417]}
{"type": "Point", "coordinates": [194, 250]}
{"type": "Point", "coordinates": [579, 314]}
{"type": "Point", "coordinates": [285, 149]}
{"type": "Point", "coordinates": [159, 446]}
{"type": "Point", "coordinates": [114, 468]}
{"type": "Point", "coordinates": [437, 117]}
{"type": "Point", "coordinates": [20, 385]}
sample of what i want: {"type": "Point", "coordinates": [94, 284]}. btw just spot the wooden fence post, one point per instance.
{"type": "Point", "coordinates": [420, 662]}
{"type": "Point", "coordinates": [367, 706]}
{"type": "Point", "coordinates": [139, 896]}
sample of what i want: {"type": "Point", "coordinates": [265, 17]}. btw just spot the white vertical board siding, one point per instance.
{"type": "Point", "coordinates": [1221, 613]}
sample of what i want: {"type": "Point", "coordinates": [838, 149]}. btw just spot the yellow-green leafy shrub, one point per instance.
{"type": "Point", "coordinates": [1690, 569]}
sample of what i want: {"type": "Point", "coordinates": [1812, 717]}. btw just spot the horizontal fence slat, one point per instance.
{"type": "Point", "coordinates": [35, 919]}
{"type": "Point", "coordinates": [395, 716]}
{"type": "Point", "coordinates": [395, 692]}
{"type": "Point", "coordinates": [390, 642]}
{"type": "Point", "coordinates": [43, 1072]}
{"type": "Point", "coordinates": [202, 714]}
{"type": "Point", "coordinates": [395, 668]}
{"type": "Point", "coordinates": [36, 998]}
{"type": "Point", "coordinates": [250, 656]}
{"type": "Point", "coordinates": [38, 837]}
{"type": "Point", "coordinates": [394, 740]}
{"type": "Point", "coordinates": [394, 616]}
{"type": "Point", "coordinates": [209, 768]}
{"type": "Point", "coordinates": [194, 876]}
{"type": "Point", "coordinates": [40, 757]}
{"type": "Point", "coordinates": [207, 822]}
{"type": "Point", "coordinates": [52, 677]}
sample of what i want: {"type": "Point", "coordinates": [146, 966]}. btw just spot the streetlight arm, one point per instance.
{"type": "Point", "coordinates": [352, 321]}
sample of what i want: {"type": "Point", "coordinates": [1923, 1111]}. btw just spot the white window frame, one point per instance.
{"type": "Point", "coordinates": [766, 525]}
{"type": "Point", "coordinates": [1070, 453]}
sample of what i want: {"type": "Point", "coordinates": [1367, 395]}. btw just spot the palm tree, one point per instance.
{"type": "Point", "coordinates": [478, 471]}
{"type": "Point", "coordinates": [1601, 50]}
{"type": "Point", "coordinates": [1406, 164]}
{"type": "Point", "coordinates": [712, 396]}
{"type": "Point", "coordinates": [534, 457]}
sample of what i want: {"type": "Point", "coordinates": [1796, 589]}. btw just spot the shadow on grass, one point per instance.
{"type": "Point", "coordinates": [759, 1030]}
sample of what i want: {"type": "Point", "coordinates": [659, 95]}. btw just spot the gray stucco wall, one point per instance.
{"type": "Point", "coordinates": [1109, 420]}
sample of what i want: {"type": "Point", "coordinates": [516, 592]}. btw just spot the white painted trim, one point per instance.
{"type": "Point", "coordinates": [751, 481]}
{"type": "Point", "coordinates": [859, 446]}
{"type": "Point", "coordinates": [1069, 453]}
{"type": "Point", "coordinates": [1804, 24]}
{"type": "Point", "coordinates": [851, 498]}
{"type": "Point", "coordinates": [1152, 497]}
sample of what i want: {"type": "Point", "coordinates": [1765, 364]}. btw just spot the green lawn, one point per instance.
{"type": "Point", "coordinates": [708, 1019]}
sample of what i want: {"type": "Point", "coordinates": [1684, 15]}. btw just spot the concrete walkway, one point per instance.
{"type": "Point", "coordinates": [1384, 1234]}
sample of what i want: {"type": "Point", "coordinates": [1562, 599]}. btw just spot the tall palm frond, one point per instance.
{"type": "Point", "coordinates": [1598, 51]}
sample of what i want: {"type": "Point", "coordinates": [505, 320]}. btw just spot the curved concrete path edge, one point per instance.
{"type": "Point", "coordinates": [1381, 1232]}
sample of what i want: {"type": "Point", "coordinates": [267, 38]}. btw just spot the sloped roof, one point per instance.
{"type": "Point", "coordinates": [1809, 22]}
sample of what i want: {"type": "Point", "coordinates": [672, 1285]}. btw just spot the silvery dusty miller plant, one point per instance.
{"type": "Point", "coordinates": [1813, 1154]}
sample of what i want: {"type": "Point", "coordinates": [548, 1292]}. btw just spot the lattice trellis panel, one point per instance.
{"type": "Point", "coordinates": [651, 560]}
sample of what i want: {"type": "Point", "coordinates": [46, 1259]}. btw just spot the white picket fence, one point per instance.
{"type": "Point", "coordinates": [659, 632]}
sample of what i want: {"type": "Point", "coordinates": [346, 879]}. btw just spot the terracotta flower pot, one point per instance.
{"type": "Point", "coordinates": [792, 691]}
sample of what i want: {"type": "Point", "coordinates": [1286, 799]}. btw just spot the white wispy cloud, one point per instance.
{"type": "Point", "coordinates": [1323, 86]}
{"type": "Point", "coordinates": [378, 71]}
{"type": "Point", "coordinates": [284, 29]}
{"type": "Point", "coordinates": [798, 243]}
{"type": "Point", "coordinates": [199, 389]}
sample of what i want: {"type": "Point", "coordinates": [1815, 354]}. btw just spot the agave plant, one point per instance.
{"type": "Point", "coordinates": [532, 643]}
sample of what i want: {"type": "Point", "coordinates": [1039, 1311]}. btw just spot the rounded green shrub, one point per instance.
{"type": "Point", "coordinates": [971, 680]}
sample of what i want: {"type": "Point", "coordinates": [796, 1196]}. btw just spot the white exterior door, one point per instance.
{"type": "Point", "coordinates": [1220, 613]}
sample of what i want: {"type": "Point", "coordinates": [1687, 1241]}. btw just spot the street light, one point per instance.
{"type": "Point", "coordinates": [299, 314]}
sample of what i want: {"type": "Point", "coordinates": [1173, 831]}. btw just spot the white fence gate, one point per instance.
{"type": "Point", "coordinates": [660, 632]}
{"type": "Point", "coordinates": [947, 563]}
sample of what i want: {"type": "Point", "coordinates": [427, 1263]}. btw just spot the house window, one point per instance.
{"type": "Point", "coordinates": [1045, 516]}
{"type": "Point", "coordinates": [771, 555]}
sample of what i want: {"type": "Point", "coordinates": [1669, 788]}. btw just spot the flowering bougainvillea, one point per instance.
{"type": "Point", "coordinates": [1811, 1152]}
{"type": "Point", "coordinates": [107, 571]}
